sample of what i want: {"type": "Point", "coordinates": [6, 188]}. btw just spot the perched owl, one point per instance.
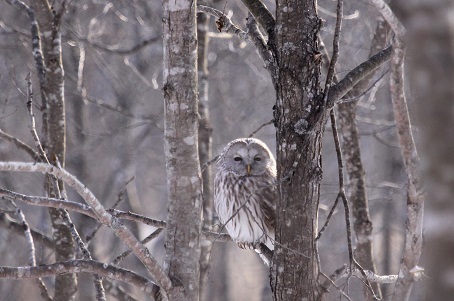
{"type": "Point", "coordinates": [245, 192]}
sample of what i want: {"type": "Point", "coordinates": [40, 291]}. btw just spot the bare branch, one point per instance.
{"type": "Point", "coordinates": [256, 37]}
{"type": "Point", "coordinates": [19, 144]}
{"type": "Point", "coordinates": [16, 227]}
{"type": "Point", "coordinates": [366, 275]}
{"type": "Point", "coordinates": [334, 57]}
{"type": "Point", "coordinates": [103, 216]}
{"type": "Point", "coordinates": [32, 258]}
{"type": "Point", "coordinates": [225, 21]}
{"type": "Point", "coordinates": [390, 17]}
{"type": "Point", "coordinates": [115, 49]}
{"type": "Point", "coordinates": [261, 127]}
{"type": "Point", "coordinates": [77, 266]}
{"type": "Point", "coordinates": [144, 241]}
{"type": "Point", "coordinates": [261, 14]}
{"type": "Point", "coordinates": [415, 195]}
{"type": "Point", "coordinates": [337, 91]}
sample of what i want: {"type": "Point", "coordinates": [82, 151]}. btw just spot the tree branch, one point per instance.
{"type": "Point", "coordinates": [78, 266]}
{"type": "Point", "coordinates": [103, 216]}
{"type": "Point", "coordinates": [390, 17]}
{"type": "Point", "coordinates": [337, 91]}
{"type": "Point", "coordinates": [415, 195]}
{"type": "Point", "coordinates": [224, 23]}
{"type": "Point", "coordinates": [19, 144]}
{"type": "Point", "coordinates": [261, 14]}
{"type": "Point", "coordinates": [334, 57]}
{"type": "Point", "coordinates": [16, 227]}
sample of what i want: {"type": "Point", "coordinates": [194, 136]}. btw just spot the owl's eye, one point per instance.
{"type": "Point", "coordinates": [258, 159]}
{"type": "Point", "coordinates": [238, 159]}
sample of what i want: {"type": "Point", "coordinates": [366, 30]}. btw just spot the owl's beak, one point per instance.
{"type": "Point", "coordinates": [248, 168]}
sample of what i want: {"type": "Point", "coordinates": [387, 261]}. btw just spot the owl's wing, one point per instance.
{"type": "Point", "coordinates": [268, 204]}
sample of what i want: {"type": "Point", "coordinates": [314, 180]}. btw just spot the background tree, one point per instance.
{"type": "Point", "coordinates": [113, 53]}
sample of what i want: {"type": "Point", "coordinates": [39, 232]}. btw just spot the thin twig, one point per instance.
{"type": "Point", "coordinates": [343, 196]}
{"type": "Point", "coordinates": [144, 241]}
{"type": "Point", "coordinates": [328, 218]}
{"type": "Point", "coordinates": [335, 55]}
{"type": "Point", "coordinates": [260, 127]}
{"type": "Point", "coordinates": [30, 242]}
{"type": "Point", "coordinates": [19, 144]}
{"type": "Point", "coordinates": [77, 266]}
{"type": "Point", "coordinates": [114, 49]}
{"type": "Point", "coordinates": [225, 23]}
{"type": "Point", "coordinates": [13, 225]}
{"type": "Point", "coordinates": [100, 293]}
{"type": "Point", "coordinates": [260, 43]}
{"type": "Point", "coordinates": [206, 164]}
{"type": "Point", "coordinates": [103, 216]}
{"type": "Point", "coordinates": [32, 123]}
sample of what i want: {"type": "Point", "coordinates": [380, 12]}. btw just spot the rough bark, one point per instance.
{"type": "Point", "coordinates": [181, 139]}
{"type": "Point", "coordinates": [299, 118]}
{"type": "Point", "coordinates": [54, 134]}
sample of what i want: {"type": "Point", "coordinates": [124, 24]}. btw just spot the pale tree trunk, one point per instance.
{"type": "Point", "coordinates": [409, 270]}
{"type": "Point", "coordinates": [355, 170]}
{"type": "Point", "coordinates": [54, 132]}
{"type": "Point", "coordinates": [431, 48]}
{"type": "Point", "coordinates": [181, 139]}
{"type": "Point", "coordinates": [205, 142]}
{"type": "Point", "coordinates": [299, 118]}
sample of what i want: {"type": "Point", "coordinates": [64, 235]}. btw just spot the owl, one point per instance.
{"type": "Point", "coordinates": [245, 192]}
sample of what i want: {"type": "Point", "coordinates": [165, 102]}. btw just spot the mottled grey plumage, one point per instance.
{"type": "Point", "coordinates": [245, 192]}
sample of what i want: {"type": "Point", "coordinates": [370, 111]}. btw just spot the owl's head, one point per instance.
{"type": "Point", "coordinates": [246, 157]}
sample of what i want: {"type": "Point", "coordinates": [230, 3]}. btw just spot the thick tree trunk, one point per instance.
{"type": "Point", "coordinates": [181, 141]}
{"type": "Point", "coordinates": [299, 118]}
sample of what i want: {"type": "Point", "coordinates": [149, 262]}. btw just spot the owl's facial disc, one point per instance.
{"type": "Point", "coordinates": [246, 160]}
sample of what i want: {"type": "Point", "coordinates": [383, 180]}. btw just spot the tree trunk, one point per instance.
{"type": "Point", "coordinates": [181, 139]}
{"type": "Point", "coordinates": [54, 132]}
{"type": "Point", "coordinates": [205, 142]}
{"type": "Point", "coordinates": [299, 118]}
{"type": "Point", "coordinates": [431, 67]}
{"type": "Point", "coordinates": [355, 169]}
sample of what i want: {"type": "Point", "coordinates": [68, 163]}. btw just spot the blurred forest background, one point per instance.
{"type": "Point", "coordinates": [112, 55]}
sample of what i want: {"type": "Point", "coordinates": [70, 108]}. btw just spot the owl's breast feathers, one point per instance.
{"type": "Point", "coordinates": [246, 205]}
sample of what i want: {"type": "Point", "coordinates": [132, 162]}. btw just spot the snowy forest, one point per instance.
{"type": "Point", "coordinates": [113, 113]}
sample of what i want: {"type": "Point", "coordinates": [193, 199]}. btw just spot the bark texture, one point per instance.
{"type": "Point", "coordinates": [54, 134]}
{"type": "Point", "coordinates": [181, 146]}
{"type": "Point", "coordinates": [299, 118]}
